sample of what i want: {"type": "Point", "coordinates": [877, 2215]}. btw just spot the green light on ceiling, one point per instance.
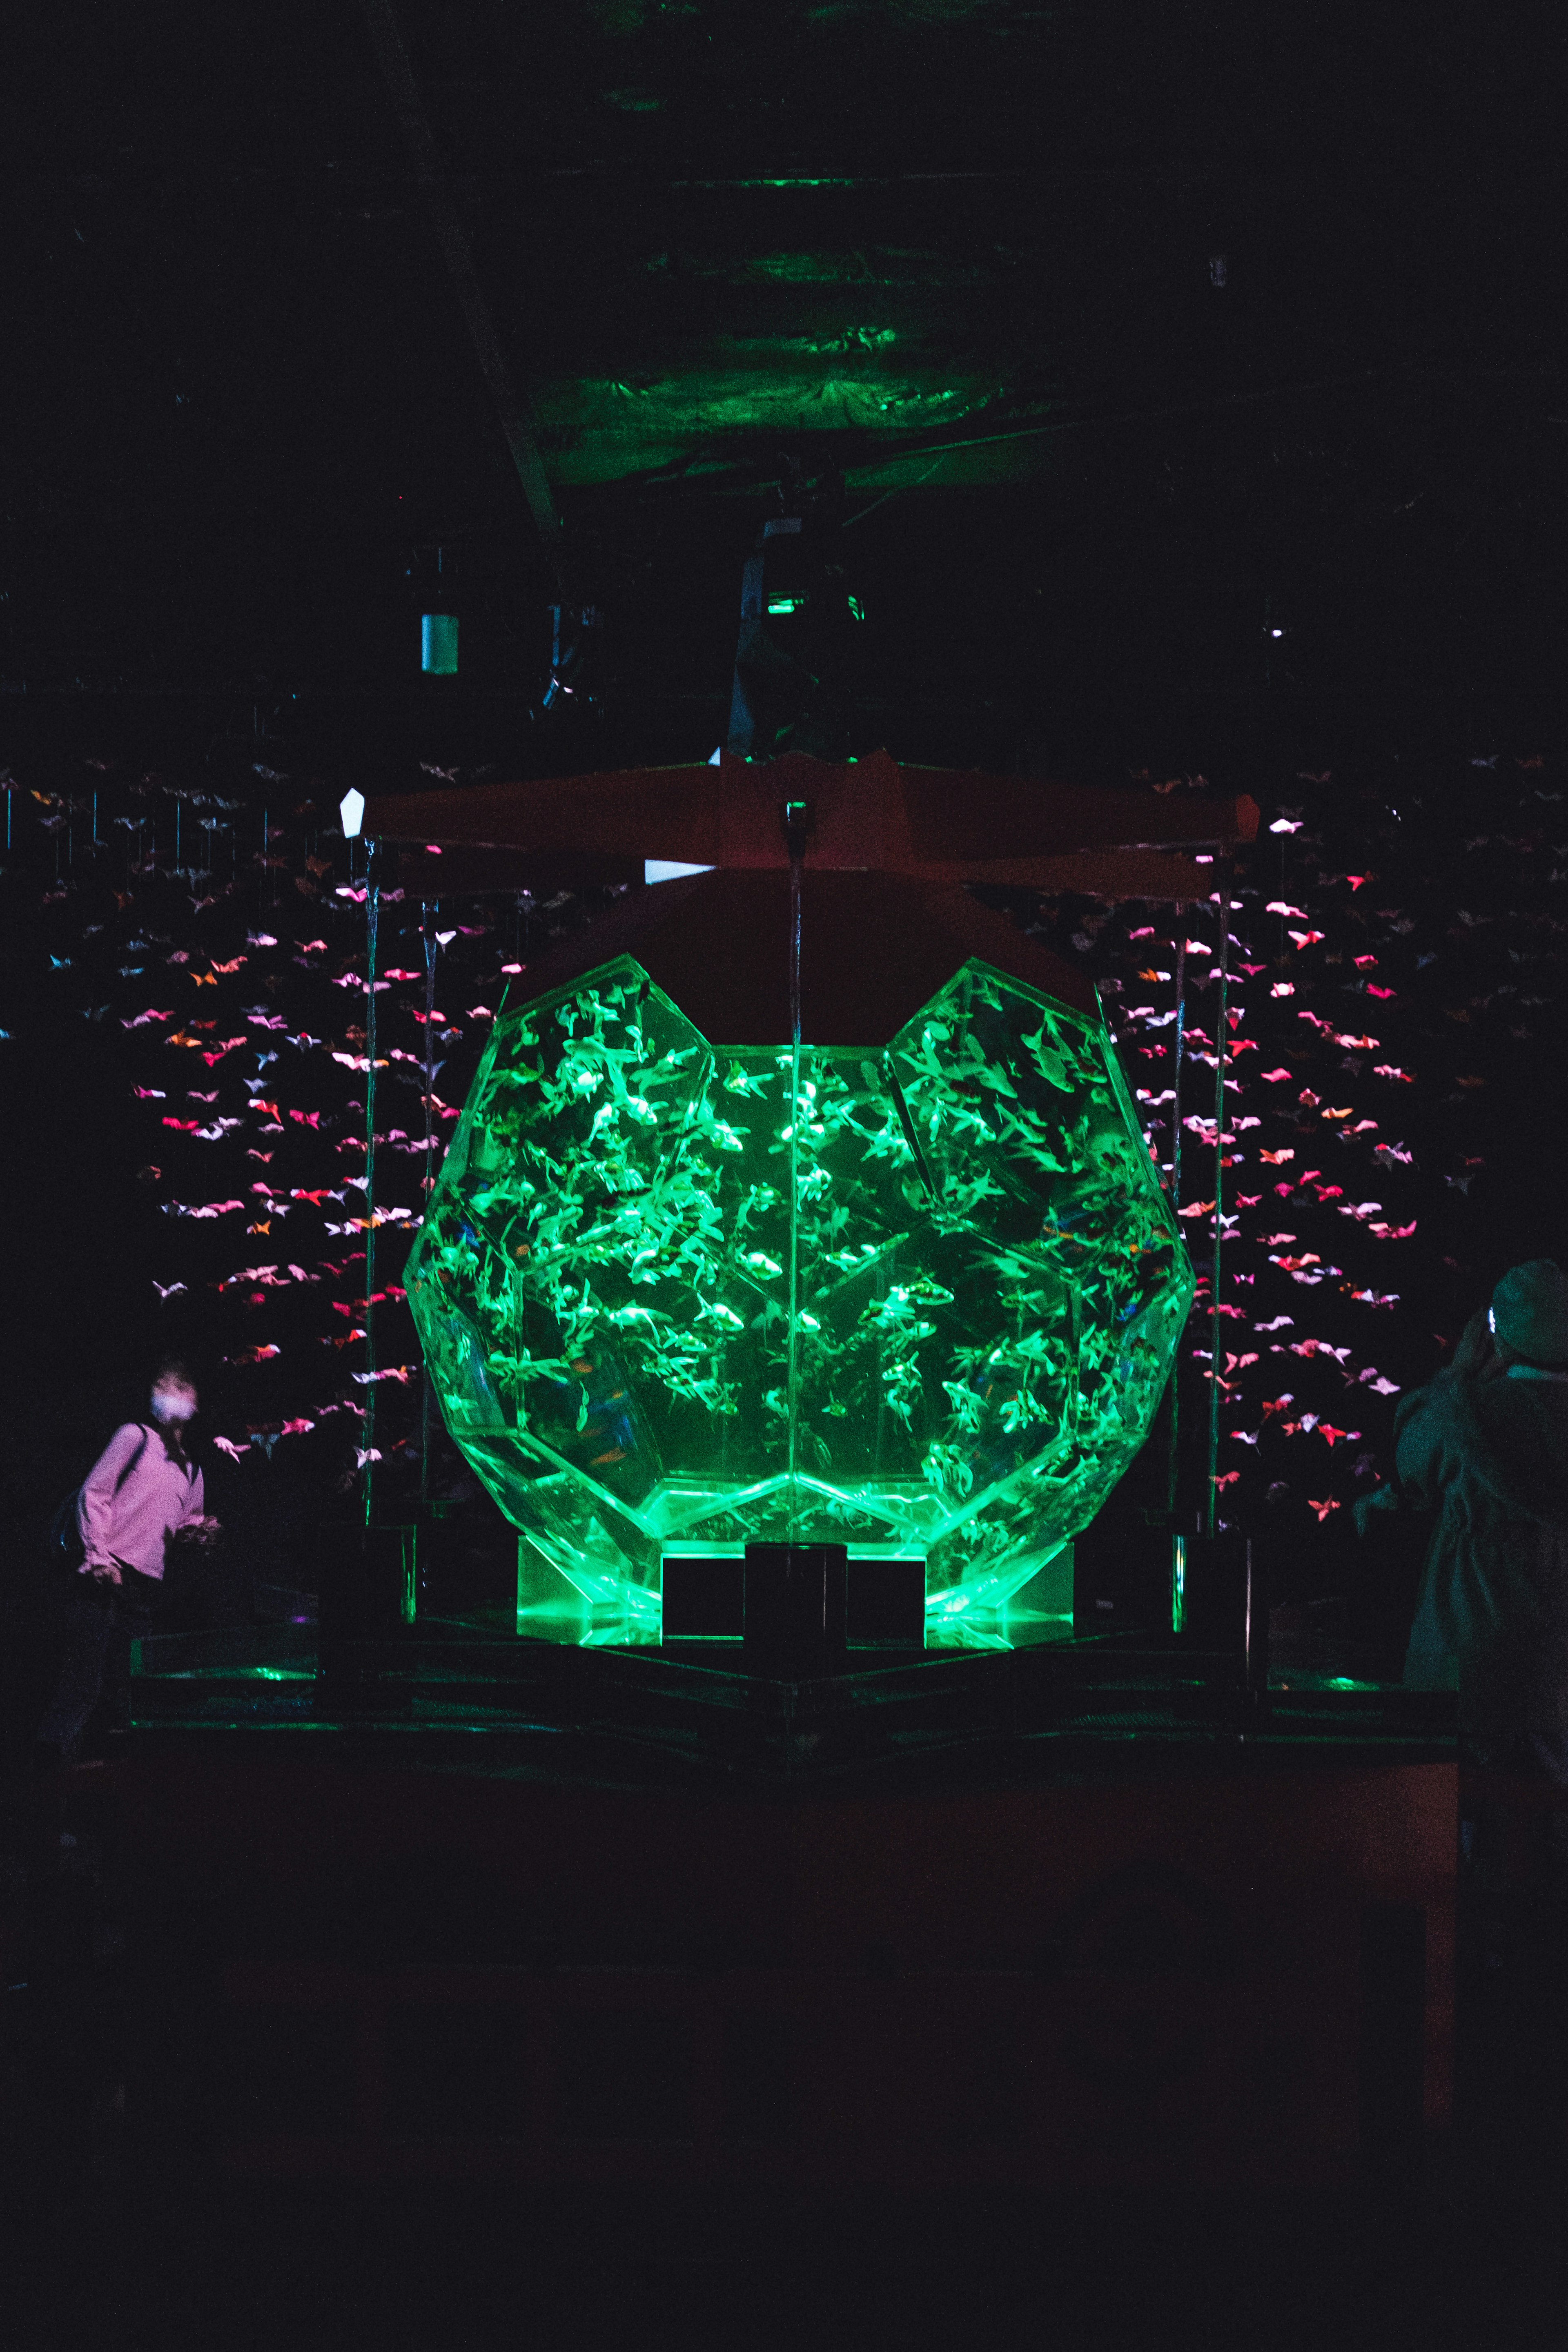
{"type": "Point", "coordinates": [856, 611]}
{"type": "Point", "coordinates": [785, 604]}
{"type": "Point", "coordinates": [795, 181]}
{"type": "Point", "coordinates": [679, 1295]}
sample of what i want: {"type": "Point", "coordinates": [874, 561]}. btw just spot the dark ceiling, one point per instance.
{"type": "Point", "coordinates": [1175, 359]}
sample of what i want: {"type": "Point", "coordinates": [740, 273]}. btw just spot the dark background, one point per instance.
{"type": "Point", "coordinates": [1190, 383]}
{"type": "Point", "coordinates": [1190, 380]}
{"type": "Point", "coordinates": [963, 249]}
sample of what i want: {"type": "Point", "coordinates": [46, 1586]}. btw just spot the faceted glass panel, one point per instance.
{"type": "Point", "coordinates": [919, 1299]}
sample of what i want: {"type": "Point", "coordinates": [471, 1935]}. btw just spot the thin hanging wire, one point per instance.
{"type": "Point", "coordinates": [1222, 1033]}
{"type": "Point", "coordinates": [793, 1344]}
{"type": "Point", "coordinates": [371, 913]}
{"type": "Point", "coordinates": [1173, 1458]}
{"type": "Point", "coordinates": [429, 915]}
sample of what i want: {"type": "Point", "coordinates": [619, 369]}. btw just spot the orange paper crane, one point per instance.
{"type": "Point", "coordinates": [885, 851]}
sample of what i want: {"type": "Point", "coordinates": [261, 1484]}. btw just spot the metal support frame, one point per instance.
{"type": "Point", "coordinates": [1221, 1036]}
{"type": "Point", "coordinates": [1173, 1459]}
{"type": "Point", "coordinates": [452, 238]}
{"type": "Point", "coordinates": [371, 926]}
{"type": "Point", "coordinates": [429, 916]}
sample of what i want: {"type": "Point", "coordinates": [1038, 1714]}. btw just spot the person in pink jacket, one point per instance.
{"type": "Point", "coordinates": [142, 1492]}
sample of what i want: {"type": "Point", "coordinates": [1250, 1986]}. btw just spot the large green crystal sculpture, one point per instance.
{"type": "Point", "coordinates": [921, 1300]}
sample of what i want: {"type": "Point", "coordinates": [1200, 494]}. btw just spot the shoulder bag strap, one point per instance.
{"type": "Point", "coordinates": [136, 1458]}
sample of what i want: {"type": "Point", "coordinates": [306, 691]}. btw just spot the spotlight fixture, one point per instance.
{"type": "Point", "coordinates": [439, 644]}
{"type": "Point", "coordinates": [439, 629]}
{"type": "Point", "coordinates": [788, 688]}
{"type": "Point", "coordinates": [351, 808]}
{"type": "Point", "coordinates": [576, 634]}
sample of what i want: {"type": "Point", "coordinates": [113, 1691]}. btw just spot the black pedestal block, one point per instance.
{"type": "Point", "coordinates": [366, 1580]}
{"type": "Point", "coordinates": [887, 1604]}
{"type": "Point", "coordinates": [468, 1559]}
{"type": "Point", "coordinates": [703, 1599]}
{"type": "Point", "coordinates": [1224, 1603]}
{"type": "Point", "coordinates": [795, 1609]}
{"type": "Point", "coordinates": [1121, 1573]}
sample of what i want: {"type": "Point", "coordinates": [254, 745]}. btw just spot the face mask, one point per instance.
{"type": "Point", "coordinates": [172, 1404]}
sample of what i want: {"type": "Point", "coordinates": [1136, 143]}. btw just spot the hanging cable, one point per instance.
{"type": "Point", "coordinates": [1222, 1032]}
{"type": "Point", "coordinates": [372, 914]}
{"type": "Point", "coordinates": [1173, 1459]}
{"type": "Point", "coordinates": [452, 237]}
{"type": "Point", "coordinates": [795, 821]}
{"type": "Point", "coordinates": [429, 915]}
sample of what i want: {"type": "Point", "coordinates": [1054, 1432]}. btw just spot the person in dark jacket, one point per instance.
{"type": "Point", "coordinates": [142, 1492]}
{"type": "Point", "coordinates": [1484, 1446]}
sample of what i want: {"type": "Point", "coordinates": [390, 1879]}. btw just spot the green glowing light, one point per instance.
{"type": "Point", "coordinates": [439, 644]}
{"type": "Point", "coordinates": [675, 1295]}
{"type": "Point", "coordinates": [792, 182]}
{"type": "Point", "coordinates": [856, 611]}
{"type": "Point", "coordinates": [787, 604]}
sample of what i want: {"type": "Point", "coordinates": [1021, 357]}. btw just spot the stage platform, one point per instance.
{"type": "Point", "coordinates": [692, 1707]}
{"type": "Point", "coordinates": [1102, 1911]}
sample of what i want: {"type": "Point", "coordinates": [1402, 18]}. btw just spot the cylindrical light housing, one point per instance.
{"type": "Point", "coordinates": [439, 644]}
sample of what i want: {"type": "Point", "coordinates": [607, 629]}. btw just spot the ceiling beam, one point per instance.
{"type": "Point", "coordinates": [452, 238]}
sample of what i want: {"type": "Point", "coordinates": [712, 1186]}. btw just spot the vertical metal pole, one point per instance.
{"type": "Point", "coordinates": [1221, 1038]}
{"type": "Point", "coordinates": [428, 916]}
{"type": "Point", "coordinates": [1173, 1458]}
{"type": "Point", "coordinates": [372, 914]}
{"type": "Point", "coordinates": [794, 835]}
{"type": "Point", "coordinates": [792, 1336]}
{"type": "Point", "coordinates": [1176, 1070]}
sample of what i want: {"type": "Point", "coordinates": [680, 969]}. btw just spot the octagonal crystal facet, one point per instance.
{"type": "Point", "coordinates": [921, 1300]}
